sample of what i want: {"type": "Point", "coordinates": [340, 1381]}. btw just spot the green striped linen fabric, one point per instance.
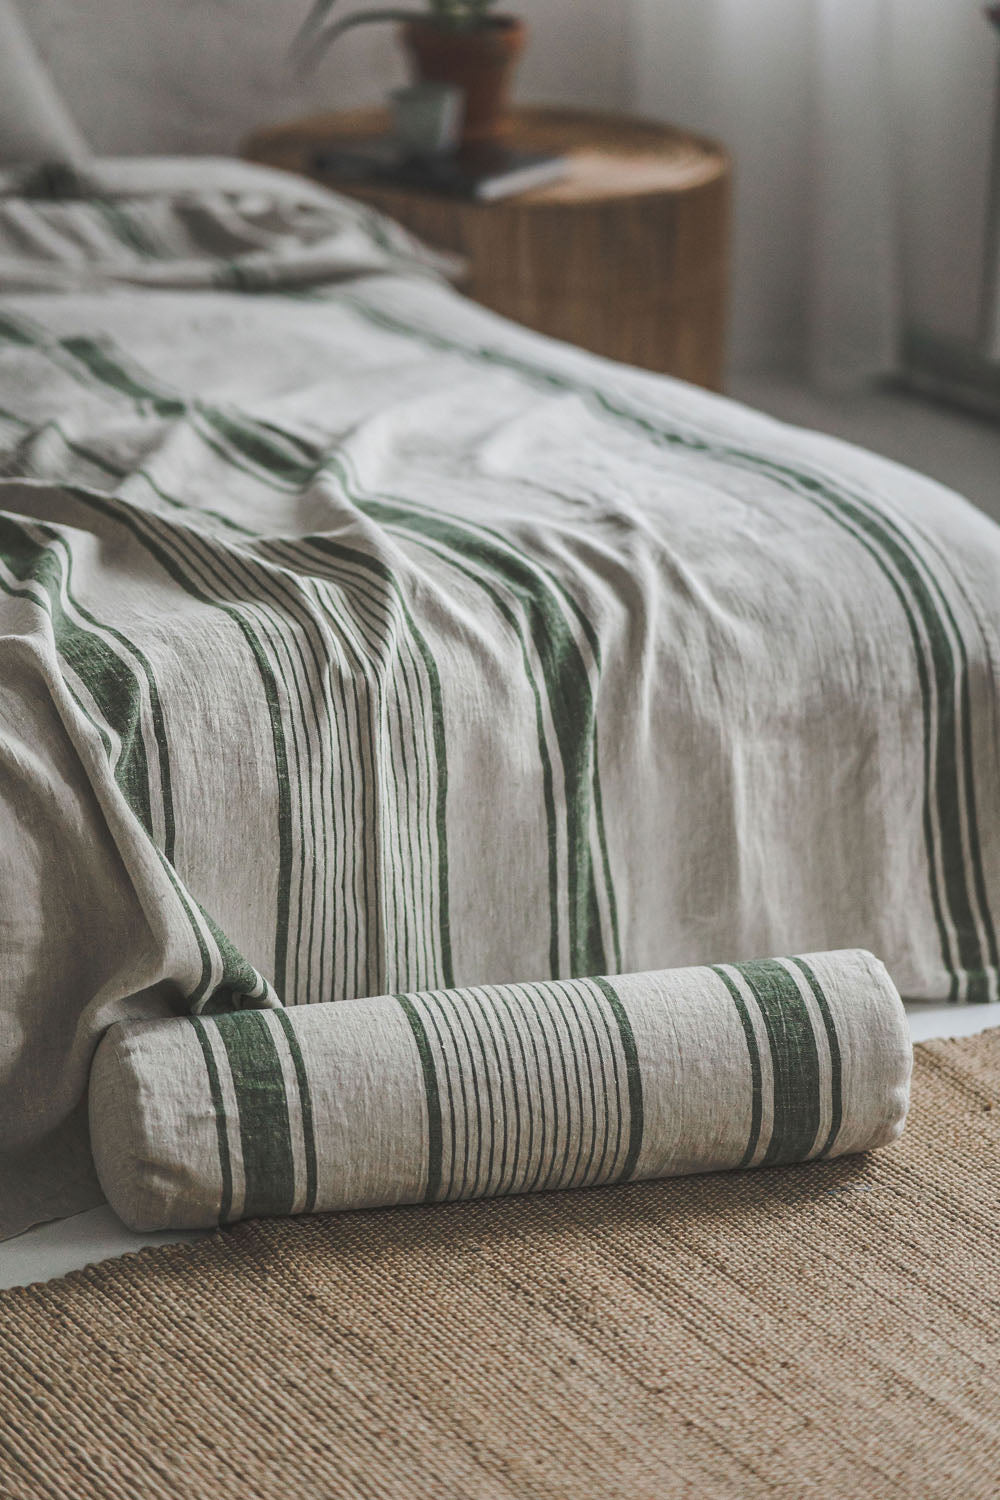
{"type": "Point", "coordinates": [498, 1089]}
{"type": "Point", "coordinates": [354, 641]}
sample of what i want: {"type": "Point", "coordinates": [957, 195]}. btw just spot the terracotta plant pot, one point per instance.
{"type": "Point", "coordinates": [480, 62]}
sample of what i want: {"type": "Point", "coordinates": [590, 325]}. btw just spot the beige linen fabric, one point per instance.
{"type": "Point", "coordinates": [496, 1090]}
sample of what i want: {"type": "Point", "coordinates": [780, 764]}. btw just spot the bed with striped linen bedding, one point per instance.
{"type": "Point", "coordinates": [354, 641]}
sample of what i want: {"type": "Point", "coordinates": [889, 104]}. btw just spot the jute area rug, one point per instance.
{"type": "Point", "coordinates": [830, 1330]}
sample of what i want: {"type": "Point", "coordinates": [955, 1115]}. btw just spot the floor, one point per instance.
{"type": "Point", "coordinates": [959, 450]}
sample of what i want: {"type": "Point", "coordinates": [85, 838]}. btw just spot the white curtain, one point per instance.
{"type": "Point", "coordinates": [991, 301]}
{"type": "Point", "coordinates": [801, 92]}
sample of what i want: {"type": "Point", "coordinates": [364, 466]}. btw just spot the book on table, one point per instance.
{"type": "Point", "coordinates": [478, 173]}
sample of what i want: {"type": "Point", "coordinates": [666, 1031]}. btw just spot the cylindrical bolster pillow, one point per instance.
{"type": "Point", "coordinates": [500, 1089]}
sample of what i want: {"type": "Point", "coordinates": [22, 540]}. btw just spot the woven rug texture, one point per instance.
{"type": "Point", "coordinates": [831, 1330]}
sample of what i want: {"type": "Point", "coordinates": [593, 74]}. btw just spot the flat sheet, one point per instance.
{"type": "Point", "coordinates": [354, 641]}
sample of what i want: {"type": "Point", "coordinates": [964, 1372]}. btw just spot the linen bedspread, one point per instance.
{"type": "Point", "coordinates": [355, 641]}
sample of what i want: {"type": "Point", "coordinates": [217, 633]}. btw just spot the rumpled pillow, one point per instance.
{"type": "Point", "coordinates": [35, 125]}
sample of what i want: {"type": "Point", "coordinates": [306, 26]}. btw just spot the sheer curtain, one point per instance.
{"type": "Point", "coordinates": [801, 92]}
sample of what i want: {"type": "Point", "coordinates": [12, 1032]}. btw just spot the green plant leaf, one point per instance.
{"type": "Point", "coordinates": [315, 36]}
{"type": "Point", "coordinates": [310, 28]}
{"type": "Point", "coordinates": [320, 38]}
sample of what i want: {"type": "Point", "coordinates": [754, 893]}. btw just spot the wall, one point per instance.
{"type": "Point", "coordinates": [197, 75]}
{"type": "Point", "coordinates": [741, 69]}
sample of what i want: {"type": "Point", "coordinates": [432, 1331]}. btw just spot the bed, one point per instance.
{"type": "Point", "coordinates": [355, 641]}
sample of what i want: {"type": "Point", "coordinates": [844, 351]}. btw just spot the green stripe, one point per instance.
{"type": "Point", "coordinates": [943, 788]}
{"type": "Point", "coordinates": [756, 1097]}
{"type": "Point", "coordinates": [509, 1101]}
{"type": "Point", "coordinates": [633, 1075]}
{"type": "Point", "coordinates": [582, 1020]}
{"type": "Point", "coordinates": [305, 1106]}
{"type": "Point", "coordinates": [432, 1017]}
{"type": "Point", "coordinates": [468, 1089]}
{"type": "Point", "coordinates": [836, 1062]}
{"type": "Point", "coordinates": [518, 1032]}
{"type": "Point", "coordinates": [379, 570]}
{"type": "Point", "coordinates": [794, 1060]}
{"type": "Point", "coordinates": [595, 1171]}
{"type": "Point", "coordinates": [432, 1096]}
{"type": "Point", "coordinates": [378, 625]}
{"type": "Point", "coordinates": [265, 1129]}
{"type": "Point", "coordinates": [222, 1134]}
{"type": "Point", "coordinates": [125, 227]}
{"type": "Point", "coordinates": [106, 367]}
{"type": "Point", "coordinates": [108, 678]}
{"type": "Point", "coordinates": [339, 466]}
{"type": "Point", "coordinates": [544, 1003]}
{"type": "Point", "coordinates": [465, 1007]}
{"type": "Point", "coordinates": [535, 1025]}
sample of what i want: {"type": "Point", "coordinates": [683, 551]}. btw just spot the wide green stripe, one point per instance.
{"type": "Point", "coordinates": [794, 1060]}
{"type": "Point", "coordinates": [98, 725]}
{"type": "Point", "coordinates": [836, 1061]}
{"type": "Point", "coordinates": [305, 1106]}
{"type": "Point", "coordinates": [109, 677]}
{"type": "Point", "coordinates": [432, 1097]}
{"type": "Point", "coordinates": [239, 977]}
{"type": "Point", "coordinates": [262, 1104]}
{"type": "Point", "coordinates": [756, 1098]}
{"type": "Point", "coordinates": [633, 1074]}
{"type": "Point", "coordinates": [143, 528]}
{"type": "Point", "coordinates": [219, 1108]}
{"type": "Point", "coordinates": [99, 361]}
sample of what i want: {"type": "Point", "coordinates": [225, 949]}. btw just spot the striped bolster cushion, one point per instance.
{"type": "Point", "coordinates": [499, 1089]}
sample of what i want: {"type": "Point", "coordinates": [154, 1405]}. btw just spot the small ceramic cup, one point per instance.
{"type": "Point", "coordinates": [427, 118]}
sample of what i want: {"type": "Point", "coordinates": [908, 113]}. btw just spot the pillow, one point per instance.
{"type": "Point", "coordinates": [196, 1121]}
{"type": "Point", "coordinates": [34, 123]}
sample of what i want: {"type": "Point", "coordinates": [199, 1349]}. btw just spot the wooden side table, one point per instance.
{"type": "Point", "coordinates": [627, 256]}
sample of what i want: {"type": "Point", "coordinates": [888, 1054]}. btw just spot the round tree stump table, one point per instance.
{"type": "Point", "coordinates": [627, 256]}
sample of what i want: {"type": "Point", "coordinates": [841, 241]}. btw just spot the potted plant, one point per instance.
{"type": "Point", "coordinates": [457, 42]}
